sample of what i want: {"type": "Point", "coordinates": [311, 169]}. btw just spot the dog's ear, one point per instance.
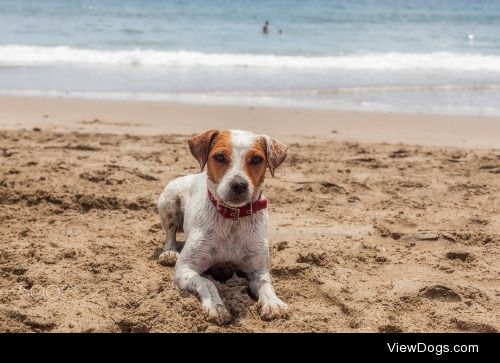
{"type": "Point", "coordinates": [200, 146]}
{"type": "Point", "coordinates": [276, 153]}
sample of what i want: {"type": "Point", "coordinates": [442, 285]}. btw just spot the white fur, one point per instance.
{"type": "Point", "coordinates": [212, 239]}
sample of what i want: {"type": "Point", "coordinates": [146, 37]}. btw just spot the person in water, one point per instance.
{"type": "Point", "coordinates": [265, 28]}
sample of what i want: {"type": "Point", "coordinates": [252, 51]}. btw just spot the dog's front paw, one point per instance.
{"type": "Point", "coordinates": [218, 314]}
{"type": "Point", "coordinates": [168, 258]}
{"type": "Point", "coordinates": [276, 309]}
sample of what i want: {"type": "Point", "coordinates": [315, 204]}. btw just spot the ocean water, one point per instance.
{"type": "Point", "coordinates": [439, 56]}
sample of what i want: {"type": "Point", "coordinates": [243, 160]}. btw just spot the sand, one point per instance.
{"type": "Point", "coordinates": [153, 118]}
{"type": "Point", "coordinates": [379, 226]}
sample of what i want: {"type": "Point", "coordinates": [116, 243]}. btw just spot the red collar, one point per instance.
{"type": "Point", "coordinates": [236, 213]}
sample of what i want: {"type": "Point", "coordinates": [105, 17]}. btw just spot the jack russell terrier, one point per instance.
{"type": "Point", "coordinates": [223, 214]}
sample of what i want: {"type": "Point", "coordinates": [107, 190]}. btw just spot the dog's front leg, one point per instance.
{"type": "Point", "coordinates": [271, 307]}
{"type": "Point", "coordinates": [187, 278]}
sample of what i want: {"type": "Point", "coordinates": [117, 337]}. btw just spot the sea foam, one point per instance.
{"type": "Point", "coordinates": [22, 55]}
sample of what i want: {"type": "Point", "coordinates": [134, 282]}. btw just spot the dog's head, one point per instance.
{"type": "Point", "coordinates": [236, 163]}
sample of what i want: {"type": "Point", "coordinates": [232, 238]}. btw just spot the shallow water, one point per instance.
{"type": "Point", "coordinates": [414, 56]}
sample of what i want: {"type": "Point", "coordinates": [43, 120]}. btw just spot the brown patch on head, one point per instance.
{"type": "Point", "coordinates": [219, 157]}
{"type": "Point", "coordinates": [255, 161]}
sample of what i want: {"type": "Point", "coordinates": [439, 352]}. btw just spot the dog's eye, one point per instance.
{"type": "Point", "coordinates": [256, 160]}
{"type": "Point", "coordinates": [220, 158]}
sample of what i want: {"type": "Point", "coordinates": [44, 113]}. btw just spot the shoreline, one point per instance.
{"type": "Point", "coordinates": [155, 117]}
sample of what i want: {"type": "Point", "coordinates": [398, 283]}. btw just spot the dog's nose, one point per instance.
{"type": "Point", "coordinates": [239, 186]}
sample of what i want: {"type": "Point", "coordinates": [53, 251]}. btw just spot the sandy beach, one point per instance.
{"type": "Point", "coordinates": [153, 118]}
{"type": "Point", "coordinates": [378, 222]}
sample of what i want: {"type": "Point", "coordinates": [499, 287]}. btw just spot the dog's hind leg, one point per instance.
{"type": "Point", "coordinates": [171, 219]}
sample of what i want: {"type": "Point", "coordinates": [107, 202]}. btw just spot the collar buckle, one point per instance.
{"type": "Point", "coordinates": [235, 212]}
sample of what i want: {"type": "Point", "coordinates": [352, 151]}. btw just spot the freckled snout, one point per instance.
{"type": "Point", "coordinates": [239, 186]}
{"type": "Point", "coordinates": [236, 191]}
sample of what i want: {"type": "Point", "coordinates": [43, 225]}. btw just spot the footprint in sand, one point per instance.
{"type": "Point", "coordinates": [460, 255]}
{"type": "Point", "coordinates": [472, 326]}
{"type": "Point", "coordinates": [440, 292]}
{"type": "Point", "coordinates": [313, 258]}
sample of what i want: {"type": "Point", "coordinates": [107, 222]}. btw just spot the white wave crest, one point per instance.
{"type": "Point", "coordinates": [22, 55]}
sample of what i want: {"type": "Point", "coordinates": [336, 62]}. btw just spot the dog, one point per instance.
{"type": "Point", "coordinates": [224, 216]}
